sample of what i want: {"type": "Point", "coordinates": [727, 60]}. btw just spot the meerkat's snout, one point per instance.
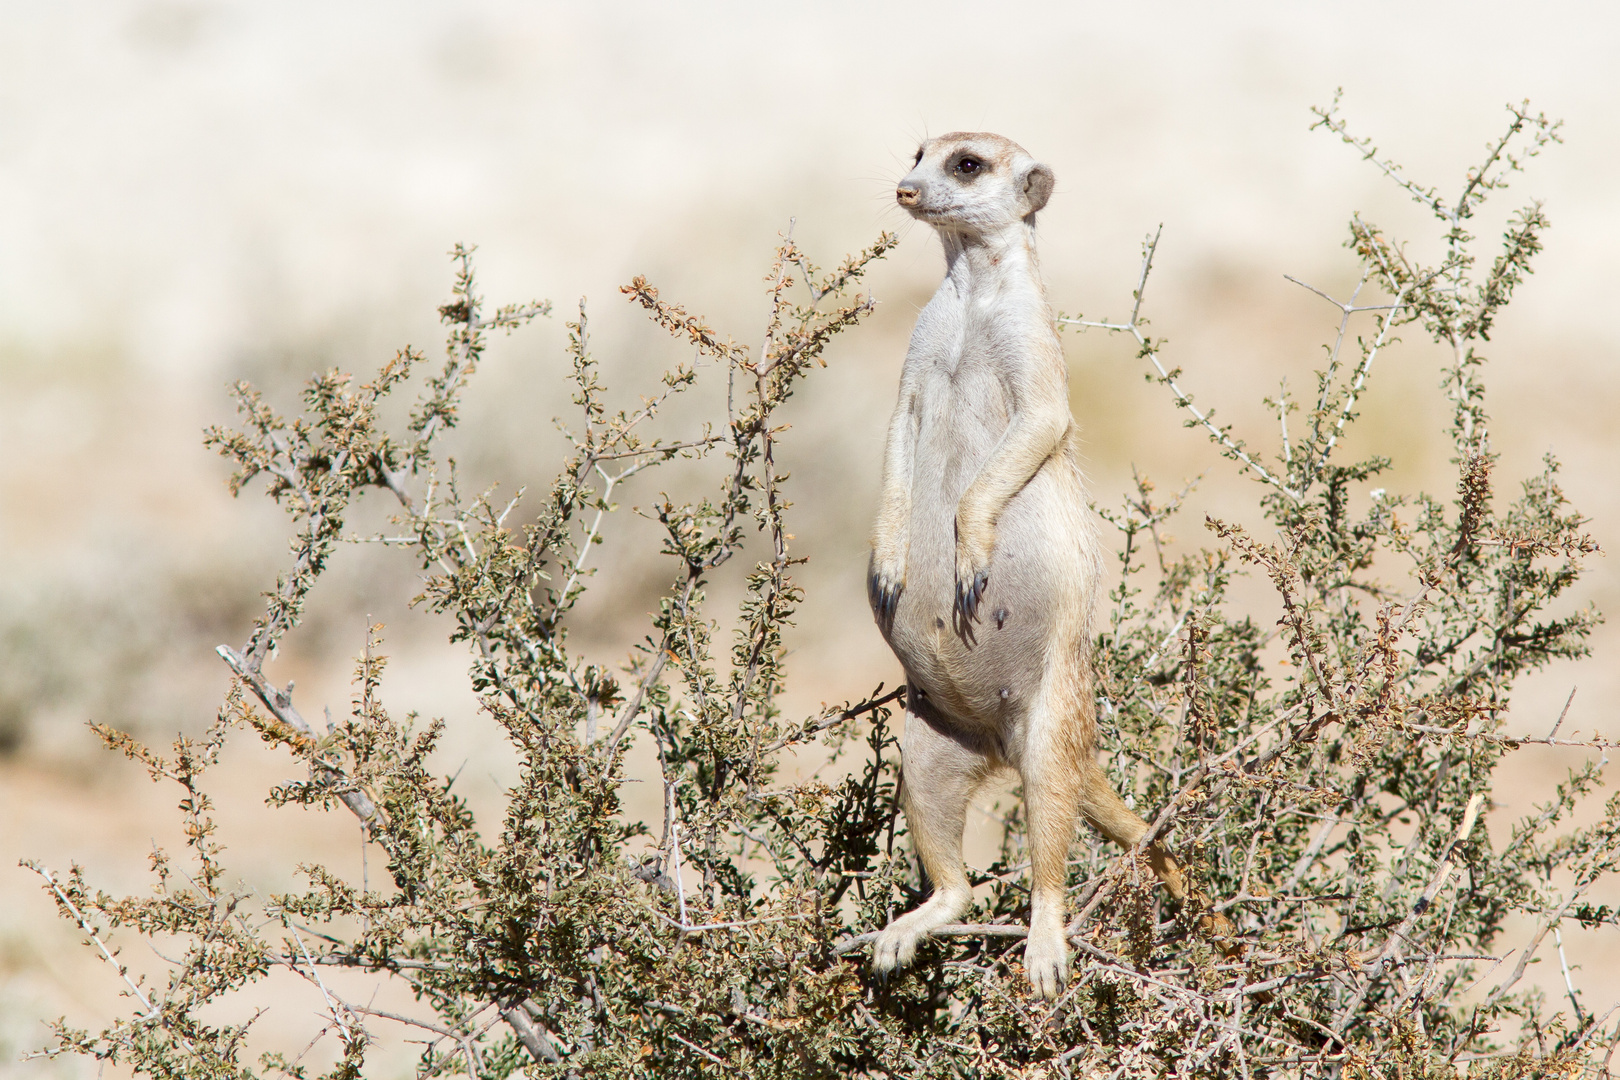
{"type": "Point", "coordinates": [908, 194]}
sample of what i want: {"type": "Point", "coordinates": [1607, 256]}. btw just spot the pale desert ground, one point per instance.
{"type": "Point", "coordinates": [192, 193]}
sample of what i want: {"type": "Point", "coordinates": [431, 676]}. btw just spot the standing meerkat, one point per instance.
{"type": "Point", "coordinates": [985, 557]}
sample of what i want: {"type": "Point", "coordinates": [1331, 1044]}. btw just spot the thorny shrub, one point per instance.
{"type": "Point", "coordinates": [1324, 767]}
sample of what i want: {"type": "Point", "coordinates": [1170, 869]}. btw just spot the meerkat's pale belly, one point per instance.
{"type": "Point", "coordinates": [1042, 571]}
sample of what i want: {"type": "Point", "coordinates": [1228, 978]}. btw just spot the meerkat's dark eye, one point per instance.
{"type": "Point", "coordinates": [918, 160]}
{"type": "Point", "coordinates": [969, 165]}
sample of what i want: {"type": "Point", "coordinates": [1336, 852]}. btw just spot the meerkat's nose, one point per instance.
{"type": "Point", "coordinates": [907, 194]}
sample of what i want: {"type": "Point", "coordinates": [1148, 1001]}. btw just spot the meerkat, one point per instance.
{"type": "Point", "coordinates": [986, 558]}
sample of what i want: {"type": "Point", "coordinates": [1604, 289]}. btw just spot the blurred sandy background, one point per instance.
{"type": "Point", "coordinates": [195, 192]}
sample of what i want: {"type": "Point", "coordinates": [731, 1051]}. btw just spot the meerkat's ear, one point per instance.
{"type": "Point", "coordinates": [1036, 182]}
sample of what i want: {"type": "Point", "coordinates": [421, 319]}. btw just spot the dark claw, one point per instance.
{"type": "Point", "coordinates": [967, 599]}
{"type": "Point", "coordinates": [885, 600]}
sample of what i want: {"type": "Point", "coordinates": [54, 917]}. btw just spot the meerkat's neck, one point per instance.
{"type": "Point", "coordinates": [985, 264]}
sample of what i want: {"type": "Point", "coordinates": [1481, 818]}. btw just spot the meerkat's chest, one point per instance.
{"type": "Point", "coordinates": [957, 370]}
{"type": "Point", "coordinates": [962, 337]}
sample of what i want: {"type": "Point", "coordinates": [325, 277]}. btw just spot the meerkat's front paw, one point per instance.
{"type": "Point", "coordinates": [884, 584]}
{"type": "Point", "coordinates": [972, 576]}
{"type": "Point", "coordinates": [973, 547]}
{"type": "Point", "coordinates": [970, 586]}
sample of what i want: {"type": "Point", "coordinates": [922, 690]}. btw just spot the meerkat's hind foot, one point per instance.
{"type": "Point", "coordinates": [1046, 961]}
{"type": "Point", "coordinates": [896, 944]}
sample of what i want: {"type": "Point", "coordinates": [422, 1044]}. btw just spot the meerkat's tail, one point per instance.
{"type": "Point", "coordinates": [1108, 814]}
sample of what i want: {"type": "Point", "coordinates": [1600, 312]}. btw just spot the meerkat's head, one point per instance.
{"type": "Point", "coordinates": [975, 182]}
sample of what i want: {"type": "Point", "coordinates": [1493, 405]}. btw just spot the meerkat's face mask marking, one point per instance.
{"type": "Point", "coordinates": [974, 181]}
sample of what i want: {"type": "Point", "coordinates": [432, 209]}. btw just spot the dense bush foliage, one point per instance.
{"type": "Point", "coordinates": [1324, 766]}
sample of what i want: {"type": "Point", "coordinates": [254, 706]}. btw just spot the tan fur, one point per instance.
{"type": "Point", "coordinates": [985, 557]}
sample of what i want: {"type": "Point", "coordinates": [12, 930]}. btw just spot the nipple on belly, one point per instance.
{"type": "Point", "coordinates": [1001, 617]}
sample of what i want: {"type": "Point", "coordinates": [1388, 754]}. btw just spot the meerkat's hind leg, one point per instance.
{"type": "Point", "coordinates": [940, 775]}
{"type": "Point", "coordinates": [1109, 815]}
{"type": "Point", "coordinates": [1052, 794]}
